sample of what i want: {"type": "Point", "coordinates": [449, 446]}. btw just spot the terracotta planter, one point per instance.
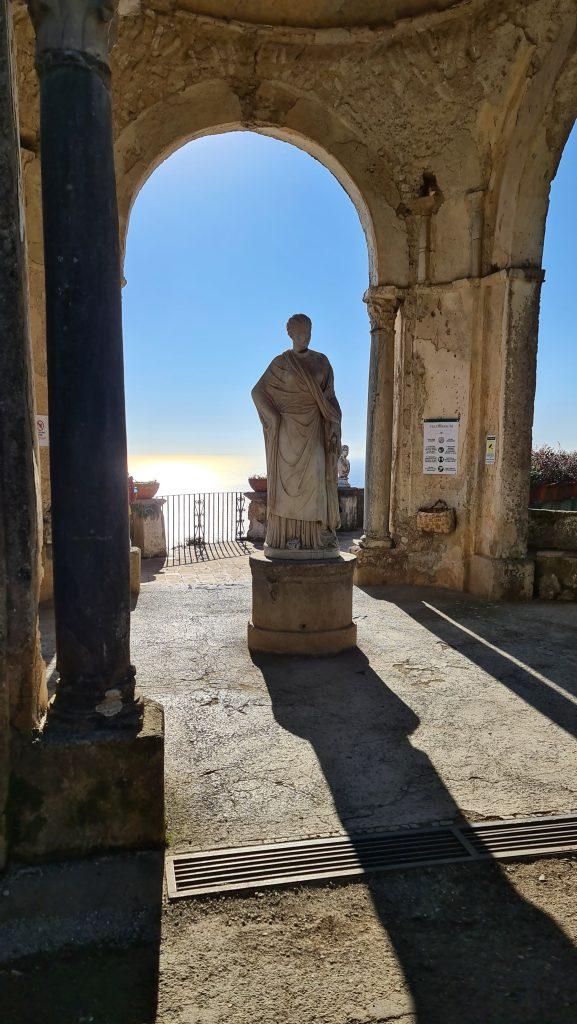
{"type": "Point", "coordinates": [258, 483]}
{"type": "Point", "coordinates": [438, 518]}
{"type": "Point", "coordinates": [552, 492]}
{"type": "Point", "coordinates": [145, 490]}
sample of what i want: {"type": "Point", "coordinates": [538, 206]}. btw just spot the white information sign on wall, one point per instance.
{"type": "Point", "coordinates": [441, 447]}
{"type": "Point", "coordinates": [42, 431]}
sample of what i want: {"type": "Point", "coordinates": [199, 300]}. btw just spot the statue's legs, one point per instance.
{"type": "Point", "coordinates": [293, 533]}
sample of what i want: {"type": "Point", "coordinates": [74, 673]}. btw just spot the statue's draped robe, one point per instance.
{"type": "Point", "coordinates": [301, 453]}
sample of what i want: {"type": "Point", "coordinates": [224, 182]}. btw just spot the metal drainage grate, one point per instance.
{"type": "Point", "coordinates": [276, 864]}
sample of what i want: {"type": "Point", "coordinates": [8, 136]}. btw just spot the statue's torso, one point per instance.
{"type": "Point", "coordinates": [316, 363]}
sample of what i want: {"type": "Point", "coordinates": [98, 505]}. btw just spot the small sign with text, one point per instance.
{"type": "Point", "coordinates": [441, 447]}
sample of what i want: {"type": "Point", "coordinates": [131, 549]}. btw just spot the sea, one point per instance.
{"type": "Point", "coordinates": [189, 474]}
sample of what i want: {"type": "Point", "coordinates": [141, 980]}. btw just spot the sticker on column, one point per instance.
{"type": "Point", "coordinates": [441, 447]}
{"type": "Point", "coordinates": [490, 449]}
{"type": "Point", "coordinates": [42, 431]}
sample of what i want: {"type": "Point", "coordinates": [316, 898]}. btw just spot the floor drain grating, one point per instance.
{"type": "Point", "coordinates": [276, 864]}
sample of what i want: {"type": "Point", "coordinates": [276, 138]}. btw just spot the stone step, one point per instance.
{"type": "Point", "coordinates": [556, 575]}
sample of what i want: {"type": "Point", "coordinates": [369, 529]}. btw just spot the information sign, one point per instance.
{"type": "Point", "coordinates": [441, 447]}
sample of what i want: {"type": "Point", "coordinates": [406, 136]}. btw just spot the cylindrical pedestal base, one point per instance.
{"type": "Point", "coordinates": [302, 607]}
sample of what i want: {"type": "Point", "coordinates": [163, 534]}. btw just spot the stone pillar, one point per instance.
{"type": "Point", "coordinates": [382, 305]}
{"type": "Point", "coordinates": [147, 527]}
{"type": "Point", "coordinates": [499, 567]}
{"type": "Point", "coordinates": [85, 364]}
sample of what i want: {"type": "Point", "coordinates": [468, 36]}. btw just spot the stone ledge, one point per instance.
{"type": "Point", "coordinates": [376, 567]}
{"type": "Point", "coordinates": [436, 565]}
{"type": "Point", "coordinates": [73, 796]}
{"type": "Point", "coordinates": [552, 529]}
{"type": "Point", "coordinates": [508, 579]}
{"type": "Point", "coordinates": [556, 575]}
{"type": "Point", "coordinates": [312, 644]}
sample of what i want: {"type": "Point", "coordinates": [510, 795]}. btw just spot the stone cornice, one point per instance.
{"type": "Point", "coordinates": [71, 27]}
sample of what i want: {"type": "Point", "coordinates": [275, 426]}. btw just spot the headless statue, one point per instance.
{"type": "Point", "coordinates": [301, 419]}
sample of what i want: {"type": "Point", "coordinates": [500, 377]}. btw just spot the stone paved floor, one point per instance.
{"type": "Point", "coordinates": [451, 708]}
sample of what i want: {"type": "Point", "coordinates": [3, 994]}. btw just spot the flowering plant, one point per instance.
{"type": "Point", "coordinates": [553, 466]}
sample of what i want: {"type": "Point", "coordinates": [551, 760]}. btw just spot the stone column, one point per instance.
{"type": "Point", "coordinates": [499, 567]}
{"type": "Point", "coordinates": [382, 305]}
{"type": "Point", "coordinates": [85, 364]}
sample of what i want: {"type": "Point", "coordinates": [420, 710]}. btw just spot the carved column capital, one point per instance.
{"type": "Point", "coordinates": [68, 27]}
{"type": "Point", "coordinates": [382, 302]}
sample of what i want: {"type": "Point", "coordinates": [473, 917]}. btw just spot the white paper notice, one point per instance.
{"type": "Point", "coordinates": [42, 430]}
{"type": "Point", "coordinates": [441, 447]}
{"type": "Point", "coordinates": [490, 449]}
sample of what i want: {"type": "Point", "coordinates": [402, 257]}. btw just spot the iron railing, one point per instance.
{"type": "Point", "coordinates": [205, 525]}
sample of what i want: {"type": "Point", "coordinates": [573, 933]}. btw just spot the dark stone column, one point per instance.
{"type": "Point", "coordinates": [88, 461]}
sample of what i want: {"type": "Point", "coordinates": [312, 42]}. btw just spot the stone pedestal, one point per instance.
{"type": "Point", "coordinates": [351, 502]}
{"type": "Point", "coordinates": [76, 794]}
{"type": "Point", "coordinates": [301, 607]}
{"type": "Point", "coordinates": [147, 530]}
{"type": "Point", "coordinates": [256, 515]}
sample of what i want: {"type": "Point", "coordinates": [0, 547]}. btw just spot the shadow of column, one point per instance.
{"type": "Point", "coordinates": [472, 950]}
{"type": "Point", "coordinates": [80, 941]}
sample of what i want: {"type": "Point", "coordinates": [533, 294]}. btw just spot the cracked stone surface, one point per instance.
{"type": "Point", "coordinates": [450, 708]}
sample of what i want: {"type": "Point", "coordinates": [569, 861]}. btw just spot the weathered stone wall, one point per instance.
{"type": "Point", "coordinates": [554, 529]}
{"type": "Point", "coordinates": [445, 127]}
{"type": "Point", "coordinates": [21, 669]}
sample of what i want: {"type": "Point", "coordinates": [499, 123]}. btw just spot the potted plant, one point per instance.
{"type": "Point", "coordinates": [145, 489]}
{"type": "Point", "coordinates": [258, 483]}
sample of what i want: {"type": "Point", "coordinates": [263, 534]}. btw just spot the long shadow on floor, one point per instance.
{"type": "Point", "coordinates": [534, 658]}
{"type": "Point", "coordinates": [102, 919]}
{"type": "Point", "coordinates": [472, 950]}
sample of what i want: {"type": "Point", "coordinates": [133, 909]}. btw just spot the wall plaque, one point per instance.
{"type": "Point", "coordinates": [440, 447]}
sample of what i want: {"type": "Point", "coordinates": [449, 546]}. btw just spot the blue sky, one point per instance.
{"type": "Point", "coordinates": [233, 234]}
{"type": "Point", "coordinates": [556, 399]}
{"type": "Point", "coordinates": [227, 239]}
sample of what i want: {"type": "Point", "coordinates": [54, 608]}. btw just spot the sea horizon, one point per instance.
{"type": "Point", "coordinates": [189, 474]}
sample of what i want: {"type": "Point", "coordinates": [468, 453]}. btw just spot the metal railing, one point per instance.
{"type": "Point", "coordinates": [206, 525]}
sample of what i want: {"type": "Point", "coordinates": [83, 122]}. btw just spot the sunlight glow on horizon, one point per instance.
{"type": "Point", "coordinates": [181, 474]}
{"type": "Point", "coordinates": [187, 474]}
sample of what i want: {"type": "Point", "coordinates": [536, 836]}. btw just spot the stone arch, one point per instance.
{"type": "Point", "coordinates": [213, 107]}
{"type": "Point", "coordinates": [540, 117]}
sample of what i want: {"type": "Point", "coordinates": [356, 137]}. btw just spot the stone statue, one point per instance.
{"type": "Point", "coordinates": [301, 419]}
{"type": "Point", "coordinates": [344, 467]}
